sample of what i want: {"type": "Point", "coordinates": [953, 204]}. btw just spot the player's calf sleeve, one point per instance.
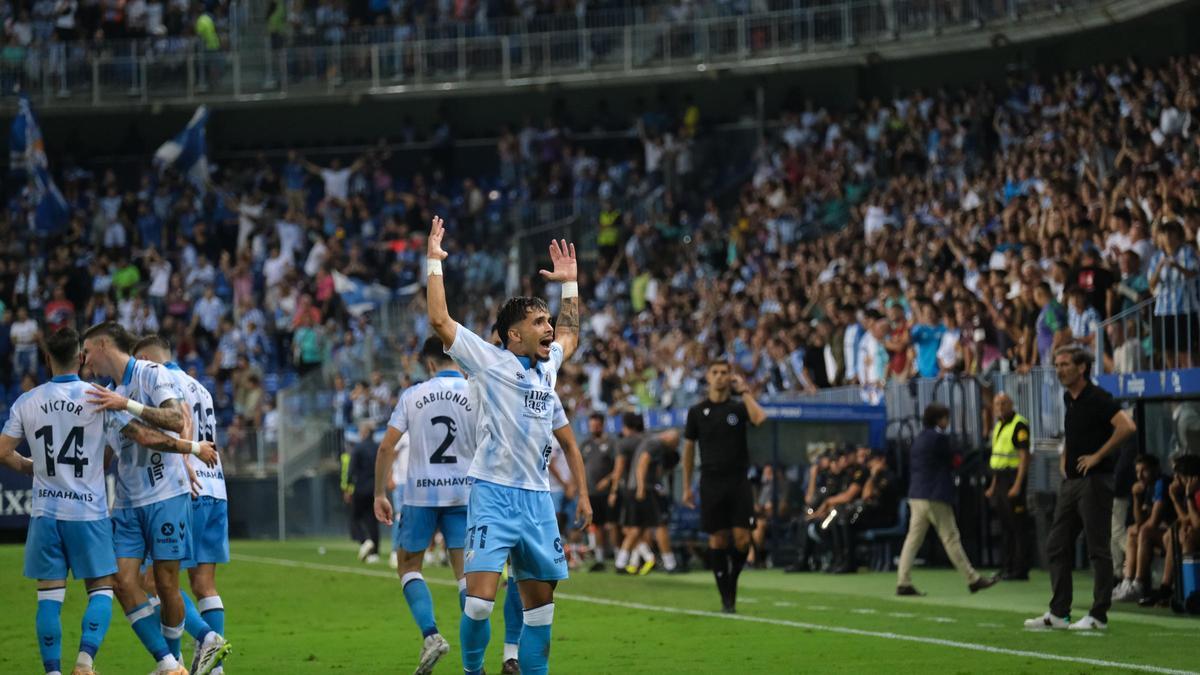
{"type": "Point", "coordinates": [512, 614]}
{"type": "Point", "coordinates": [156, 605]}
{"type": "Point", "coordinates": [149, 631]}
{"type": "Point", "coordinates": [737, 558]}
{"type": "Point", "coordinates": [718, 560]}
{"type": "Point", "coordinates": [212, 610]}
{"type": "Point", "coordinates": [95, 622]}
{"type": "Point", "coordinates": [193, 623]}
{"type": "Point", "coordinates": [475, 630]}
{"type": "Point", "coordinates": [173, 635]}
{"type": "Point", "coordinates": [462, 593]}
{"type": "Point", "coordinates": [49, 627]}
{"type": "Point", "coordinates": [622, 558]}
{"type": "Point", "coordinates": [534, 653]}
{"type": "Point", "coordinates": [420, 602]}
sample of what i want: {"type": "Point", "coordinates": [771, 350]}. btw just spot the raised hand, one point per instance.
{"type": "Point", "coordinates": [562, 257]}
{"type": "Point", "coordinates": [434, 244]}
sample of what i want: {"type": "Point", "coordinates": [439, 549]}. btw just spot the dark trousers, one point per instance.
{"type": "Point", "coordinates": [363, 525]}
{"type": "Point", "coordinates": [1084, 505]}
{"type": "Point", "coordinates": [1014, 524]}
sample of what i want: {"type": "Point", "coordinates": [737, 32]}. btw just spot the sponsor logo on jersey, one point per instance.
{"type": "Point", "coordinates": [732, 419]}
{"type": "Point", "coordinates": [441, 482]}
{"type": "Point", "coordinates": [47, 493]}
{"type": "Point", "coordinates": [537, 403]}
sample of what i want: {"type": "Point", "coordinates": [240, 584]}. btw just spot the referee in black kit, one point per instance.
{"type": "Point", "coordinates": [726, 500]}
{"type": "Point", "coordinates": [1094, 429]}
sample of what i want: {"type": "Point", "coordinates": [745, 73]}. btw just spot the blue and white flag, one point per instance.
{"type": "Point", "coordinates": [188, 152]}
{"type": "Point", "coordinates": [357, 296]}
{"type": "Point", "coordinates": [28, 154]}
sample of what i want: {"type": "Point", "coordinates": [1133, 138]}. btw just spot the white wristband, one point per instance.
{"type": "Point", "coordinates": [135, 408]}
{"type": "Point", "coordinates": [570, 289]}
{"type": "Point", "coordinates": [196, 448]}
{"type": "Point", "coordinates": [433, 267]}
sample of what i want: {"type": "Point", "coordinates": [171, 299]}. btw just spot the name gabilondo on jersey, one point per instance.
{"type": "Point", "coordinates": [443, 395]}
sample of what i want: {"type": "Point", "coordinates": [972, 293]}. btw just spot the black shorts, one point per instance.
{"type": "Point", "coordinates": [725, 503]}
{"type": "Point", "coordinates": [601, 515]}
{"type": "Point", "coordinates": [640, 514]}
{"type": "Point", "coordinates": [1177, 332]}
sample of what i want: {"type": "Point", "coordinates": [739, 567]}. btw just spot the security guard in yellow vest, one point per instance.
{"type": "Point", "coordinates": [1006, 494]}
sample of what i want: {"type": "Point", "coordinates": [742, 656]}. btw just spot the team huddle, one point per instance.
{"type": "Point", "coordinates": [169, 509]}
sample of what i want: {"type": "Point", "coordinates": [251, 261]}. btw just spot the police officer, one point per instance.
{"type": "Point", "coordinates": [1006, 493]}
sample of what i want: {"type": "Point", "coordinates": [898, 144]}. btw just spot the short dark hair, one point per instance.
{"type": "Point", "coordinates": [718, 361]}
{"type": "Point", "coordinates": [113, 331]}
{"type": "Point", "coordinates": [596, 416]}
{"type": "Point", "coordinates": [1187, 465]}
{"type": "Point", "coordinates": [63, 348]}
{"type": "Point", "coordinates": [934, 412]}
{"type": "Point", "coordinates": [434, 350]}
{"type": "Point", "coordinates": [634, 421]}
{"type": "Point", "coordinates": [515, 310]}
{"type": "Point", "coordinates": [1079, 356]}
{"type": "Point", "coordinates": [150, 341]}
{"type": "Point", "coordinates": [1150, 461]}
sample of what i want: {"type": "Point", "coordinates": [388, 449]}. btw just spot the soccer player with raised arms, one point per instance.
{"type": "Point", "coordinates": [152, 509]}
{"type": "Point", "coordinates": [438, 417]}
{"type": "Point", "coordinates": [510, 510]}
{"type": "Point", "coordinates": [204, 620]}
{"type": "Point", "coordinates": [70, 529]}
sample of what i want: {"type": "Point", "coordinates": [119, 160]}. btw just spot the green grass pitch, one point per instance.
{"type": "Point", "coordinates": [291, 609]}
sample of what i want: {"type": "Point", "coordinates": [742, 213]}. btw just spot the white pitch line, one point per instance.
{"type": "Point", "coordinates": [785, 604]}
{"type": "Point", "coordinates": [841, 630]}
{"type": "Point", "coordinates": [863, 610]}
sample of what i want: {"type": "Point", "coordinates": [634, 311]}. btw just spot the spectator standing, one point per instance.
{"type": "Point", "coordinates": [1173, 281]}
{"type": "Point", "coordinates": [25, 337]}
{"type": "Point", "coordinates": [1095, 426]}
{"type": "Point", "coordinates": [931, 495]}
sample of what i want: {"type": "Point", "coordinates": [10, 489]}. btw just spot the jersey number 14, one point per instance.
{"type": "Point", "coordinates": [70, 454]}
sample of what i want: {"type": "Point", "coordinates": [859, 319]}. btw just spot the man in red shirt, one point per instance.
{"type": "Point", "coordinates": [60, 312]}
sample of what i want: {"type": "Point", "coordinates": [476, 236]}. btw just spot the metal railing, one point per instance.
{"type": "Point", "coordinates": [1159, 333]}
{"type": "Point", "coordinates": [430, 59]}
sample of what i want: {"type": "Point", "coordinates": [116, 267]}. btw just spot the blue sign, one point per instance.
{"type": "Point", "coordinates": [16, 500]}
{"type": "Point", "coordinates": [1153, 384]}
{"type": "Point", "coordinates": [874, 416]}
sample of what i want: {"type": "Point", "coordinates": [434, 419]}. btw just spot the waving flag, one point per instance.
{"type": "Point", "coordinates": [188, 152]}
{"type": "Point", "coordinates": [28, 153]}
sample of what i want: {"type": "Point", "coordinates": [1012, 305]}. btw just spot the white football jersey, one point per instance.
{"type": "Point", "coordinates": [516, 411]}
{"type": "Point", "coordinates": [438, 418]}
{"type": "Point", "coordinates": [199, 404]}
{"type": "Point", "coordinates": [146, 476]}
{"type": "Point", "coordinates": [66, 437]}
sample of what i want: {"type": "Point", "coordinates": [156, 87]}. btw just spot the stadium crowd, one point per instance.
{"type": "Point", "coordinates": [955, 232]}
{"type": "Point", "coordinates": [952, 232]}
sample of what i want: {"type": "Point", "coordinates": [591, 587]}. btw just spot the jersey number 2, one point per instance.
{"type": "Point", "coordinates": [68, 454]}
{"type": "Point", "coordinates": [439, 456]}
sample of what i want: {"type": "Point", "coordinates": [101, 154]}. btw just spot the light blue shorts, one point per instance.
{"type": "Point", "coordinates": [506, 521]}
{"type": "Point", "coordinates": [418, 523]}
{"type": "Point", "coordinates": [161, 530]}
{"type": "Point", "coordinates": [397, 505]}
{"type": "Point", "coordinates": [210, 530]}
{"type": "Point", "coordinates": [84, 547]}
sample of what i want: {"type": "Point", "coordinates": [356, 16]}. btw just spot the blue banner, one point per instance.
{"type": "Point", "coordinates": [16, 500]}
{"type": "Point", "coordinates": [188, 151]}
{"type": "Point", "coordinates": [873, 415]}
{"type": "Point", "coordinates": [1153, 384]}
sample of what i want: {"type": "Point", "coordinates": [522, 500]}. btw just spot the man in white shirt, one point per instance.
{"type": "Point", "coordinates": [511, 515]}
{"type": "Point", "coordinates": [336, 177]}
